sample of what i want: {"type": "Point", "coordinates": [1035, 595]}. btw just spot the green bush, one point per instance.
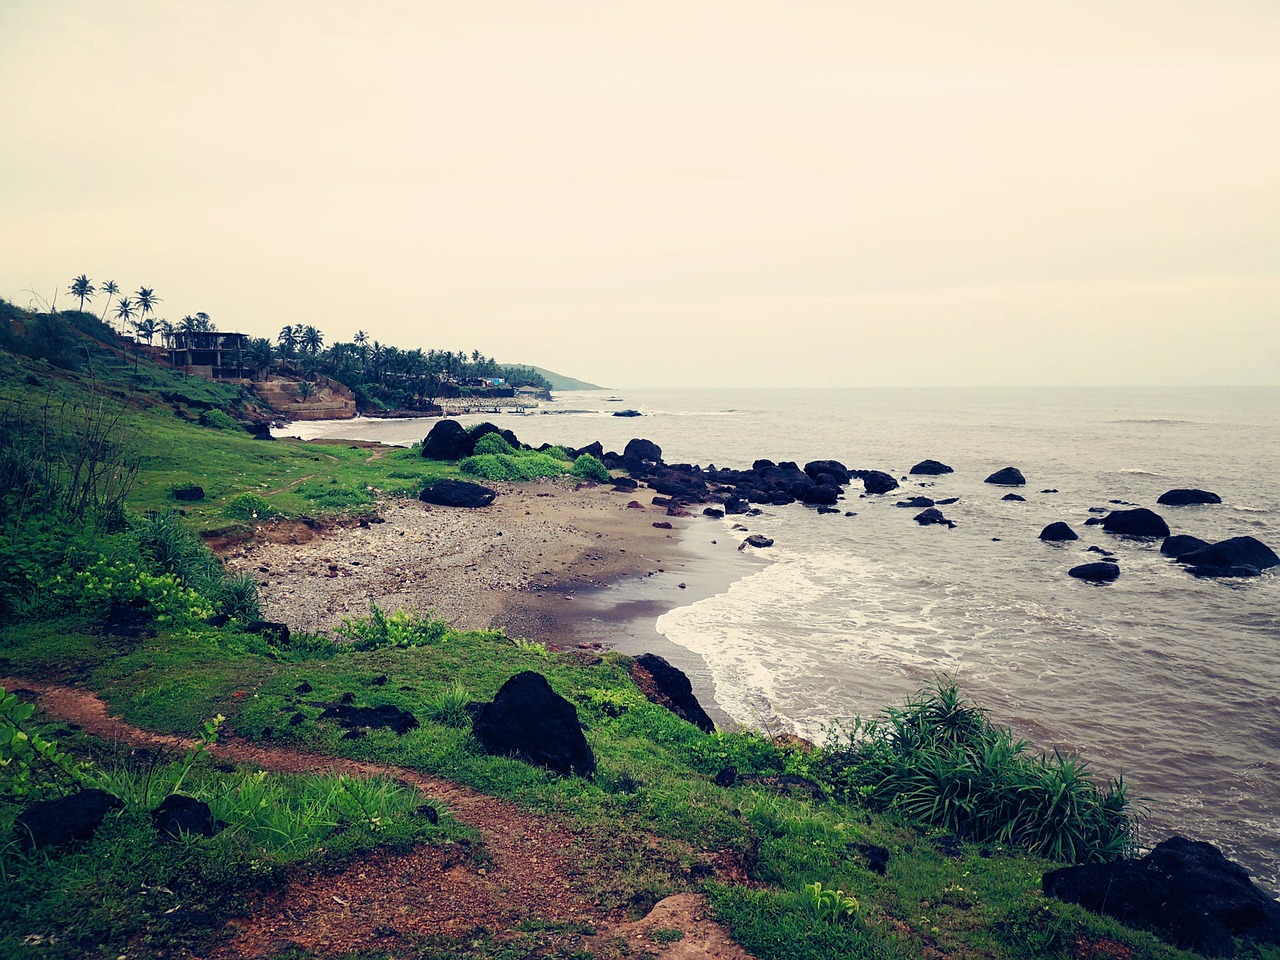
{"type": "Point", "coordinates": [218, 420]}
{"type": "Point", "coordinates": [587, 467]}
{"type": "Point", "coordinates": [940, 761]}
{"type": "Point", "coordinates": [249, 506]}
{"type": "Point", "coordinates": [380, 630]}
{"type": "Point", "coordinates": [493, 443]}
{"type": "Point", "coordinates": [520, 466]}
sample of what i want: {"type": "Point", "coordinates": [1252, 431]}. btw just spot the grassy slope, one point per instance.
{"type": "Point", "coordinates": [655, 778]}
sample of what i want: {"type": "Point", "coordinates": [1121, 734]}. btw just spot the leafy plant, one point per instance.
{"type": "Point", "coordinates": [493, 443]}
{"type": "Point", "coordinates": [399, 629]}
{"type": "Point", "coordinates": [31, 766]}
{"type": "Point", "coordinates": [825, 905]}
{"type": "Point", "coordinates": [587, 467]}
{"type": "Point", "coordinates": [218, 420]}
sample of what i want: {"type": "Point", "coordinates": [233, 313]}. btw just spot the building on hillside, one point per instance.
{"type": "Point", "coordinates": [217, 356]}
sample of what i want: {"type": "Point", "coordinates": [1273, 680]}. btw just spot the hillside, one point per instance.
{"type": "Point", "coordinates": [560, 382]}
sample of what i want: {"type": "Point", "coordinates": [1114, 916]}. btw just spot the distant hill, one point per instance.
{"type": "Point", "coordinates": [561, 382]}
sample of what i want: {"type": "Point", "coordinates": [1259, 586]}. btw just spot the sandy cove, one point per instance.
{"type": "Point", "coordinates": [519, 564]}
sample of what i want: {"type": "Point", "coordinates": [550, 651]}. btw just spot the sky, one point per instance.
{"type": "Point", "coordinates": [693, 193]}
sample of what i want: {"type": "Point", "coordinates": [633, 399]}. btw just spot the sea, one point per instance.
{"type": "Point", "coordinates": [1170, 681]}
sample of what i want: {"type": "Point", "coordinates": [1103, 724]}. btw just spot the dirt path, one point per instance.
{"type": "Point", "coordinates": [390, 901]}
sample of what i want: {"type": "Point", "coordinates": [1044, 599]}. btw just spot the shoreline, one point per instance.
{"type": "Point", "coordinates": [566, 564]}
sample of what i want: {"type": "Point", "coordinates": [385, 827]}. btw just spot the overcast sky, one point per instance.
{"type": "Point", "coordinates": [702, 192]}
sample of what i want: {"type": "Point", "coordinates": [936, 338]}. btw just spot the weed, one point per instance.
{"type": "Point", "coordinates": [825, 905]}
{"type": "Point", "coordinates": [449, 709]}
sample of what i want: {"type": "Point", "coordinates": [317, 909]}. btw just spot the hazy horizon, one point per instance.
{"type": "Point", "coordinates": [715, 194]}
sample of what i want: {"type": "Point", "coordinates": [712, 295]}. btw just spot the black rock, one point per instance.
{"type": "Point", "coordinates": [1058, 531]}
{"type": "Point", "coordinates": [430, 813]}
{"type": "Point", "coordinates": [877, 857]}
{"type": "Point", "coordinates": [457, 493]}
{"type": "Point", "coordinates": [640, 456]}
{"type": "Point", "coordinates": [714, 512]}
{"type": "Point", "coordinates": [815, 494]}
{"type": "Point", "coordinates": [448, 440]}
{"type": "Point", "coordinates": [270, 630]}
{"type": "Point", "coordinates": [668, 687]}
{"type": "Point", "coordinates": [303, 687]}
{"type": "Point", "coordinates": [915, 503]}
{"type": "Point", "coordinates": [624, 484]}
{"type": "Point", "coordinates": [736, 505]}
{"type": "Point", "coordinates": [947, 502]}
{"type": "Point", "coordinates": [627, 413]}
{"type": "Point", "coordinates": [1238, 570]}
{"type": "Point", "coordinates": [529, 720]}
{"type": "Point", "coordinates": [51, 823]}
{"type": "Point", "coordinates": [189, 492]}
{"type": "Point", "coordinates": [1179, 544]}
{"type": "Point", "coordinates": [354, 718]}
{"type": "Point", "coordinates": [758, 540]}
{"type": "Point", "coordinates": [875, 481]}
{"type": "Point", "coordinates": [178, 815]}
{"type": "Point", "coordinates": [1185, 498]}
{"type": "Point", "coordinates": [932, 516]}
{"type": "Point", "coordinates": [1186, 892]}
{"type": "Point", "coordinates": [1014, 497]}
{"type": "Point", "coordinates": [727, 777]}
{"type": "Point", "coordinates": [1099, 572]}
{"type": "Point", "coordinates": [833, 469]}
{"type": "Point", "coordinates": [218, 620]}
{"type": "Point", "coordinates": [1008, 477]}
{"type": "Point", "coordinates": [1094, 522]}
{"type": "Point", "coordinates": [930, 468]}
{"type": "Point", "coordinates": [1236, 552]}
{"type": "Point", "coordinates": [1138, 522]}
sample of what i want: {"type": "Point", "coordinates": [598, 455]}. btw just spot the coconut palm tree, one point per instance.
{"type": "Point", "coordinates": [206, 324]}
{"type": "Point", "coordinates": [147, 328]}
{"type": "Point", "coordinates": [83, 288]}
{"type": "Point", "coordinates": [110, 289]}
{"type": "Point", "coordinates": [167, 331]}
{"type": "Point", "coordinates": [188, 324]}
{"type": "Point", "coordinates": [147, 301]}
{"type": "Point", "coordinates": [261, 354]}
{"type": "Point", "coordinates": [288, 339]}
{"type": "Point", "coordinates": [125, 311]}
{"type": "Point", "coordinates": [311, 340]}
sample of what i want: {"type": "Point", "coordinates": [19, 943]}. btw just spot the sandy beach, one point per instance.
{"type": "Point", "coordinates": [532, 563]}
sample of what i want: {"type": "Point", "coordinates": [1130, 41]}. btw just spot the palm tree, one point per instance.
{"type": "Point", "coordinates": [148, 328]}
{"type": "Point", "coordinates": [311, 340]}
{"type": "Point", "coordinates": [261, 354]}
{"type": "Point", "coordinates": [125, 311]}
{"type": "Point", "coordinates": [147, 300]}
{"type": "Point", "coordinates": [188, 324]}
{"type": "Point", "coordinates": [206, 325]}
{"type": "Point", "coordinates": [362, 341]}
{"type": "Point", "coordinates": [167, 331]}
{"type": "Point", "coordinates": [288, 340]}
{"type": "Point", "coordinates": [83, 288]}
{"type": "Point", "coordinates": [110, 289]}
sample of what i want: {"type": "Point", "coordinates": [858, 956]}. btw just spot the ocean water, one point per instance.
{"type": "Point", "coordinates": [1170, 681]}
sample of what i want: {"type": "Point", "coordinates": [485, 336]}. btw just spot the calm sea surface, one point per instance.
{"type": "Point", "coordinates": [1171, 681]}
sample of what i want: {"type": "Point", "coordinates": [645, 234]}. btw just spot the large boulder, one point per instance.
{"type": "Point", "coordinates": [668, 687]}
{"type": "Point", "coordinates": [1185, 498]}
{"type": "Point", "coordinates": [1007, 477]}
{"type": "Point", "coordinates": [1058, 531]}
{"type": "Point", "coordinates": [1185, 891]}
{"type": "Point", "coordinates": [457, 493]}
{"type": "Point", "coordinates": [179, 815]}
{"type": "Point", "coordinates": [827, 470]}
{"type": "Point", "coordinates": [875, 482]}
{"type": "Point", "coordinates": [929, 468]}
{"type": "Point", "coordinates": [933, 516]}
{"type": "Point", "coordinates": [1179, 544]}
{"type": "Point", "coordinates": [529, 720]}
{"type": "Point", "coordinates": [758, 540]}
{"type": "Point", "coordinates": [1225, 554]}
{"type": "Point", "coordinates": [51, 823]}
{"type": "Point", "coordinates": [448, 440]}
{"type": "Point", "coordinates": [1138, 522]}
{"type": "Point", "coordinates": [641, 456]}
{"type": "Point", "coordinates": [1099, 572]}
{"type": "Point", "coordinates": [689, 487]}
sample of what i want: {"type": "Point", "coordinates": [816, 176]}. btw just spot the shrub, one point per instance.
{"type": "Point", "coordinates": [493, 443]}
{"type": "Point", "coordinates": [520, 466]}
{"type": "Point", "coordinates": [218, 420]}
{"type": "Point", "coordinates": [939, 760]}
{"type": "Point", "coordinates": [249, 506]}
{"type": "Point", "coordinates": [400, 629]}
{"type": "Point", "coordinates": [449, 709]}
{"type": "Point", "coordinates": [587, 467]}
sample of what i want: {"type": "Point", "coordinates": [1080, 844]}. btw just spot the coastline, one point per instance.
{"type": "Point", "coordinates": [562, 563]}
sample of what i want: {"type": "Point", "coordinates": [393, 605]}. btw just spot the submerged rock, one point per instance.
{"type": "Point", "coordinates": [875, 482]}
{"type": "Point", "coordinates": [1176, 546]}
{"type": "Point", "coordinates": [1101, 571]}
{"type": "Point", "coordinates": [1226, 554]}
{"type": "Point", "coordinates": [1138, 522]}
{"type": "Point", "coordinates": [1184, 498]}
{"type": "Point", "coordinates": [1057, 532]}
{"type": "Point", "coordinates": [1184, 891]}
{"type": "Point", "coordinates": [933, 516]}
{"type": "Point", "coordinates": [930, 468]}
{"type": "Point", "coordinates": [1007, 477]}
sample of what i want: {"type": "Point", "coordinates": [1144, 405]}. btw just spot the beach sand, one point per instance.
{"type": "Point", "coordinates": [555, 561]}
